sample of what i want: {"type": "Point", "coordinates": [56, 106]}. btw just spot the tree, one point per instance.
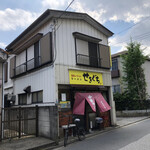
{"type": "Point", "coordinates": [134, 77]}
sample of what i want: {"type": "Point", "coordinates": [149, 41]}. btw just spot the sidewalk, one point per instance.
{"type": "Point", "coordinates": [123, 121]}
{"type": "Point", "coordinates": [32, 143]}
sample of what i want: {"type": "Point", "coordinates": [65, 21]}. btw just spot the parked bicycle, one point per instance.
{"type": "Point", "coordinates": [76, 130]}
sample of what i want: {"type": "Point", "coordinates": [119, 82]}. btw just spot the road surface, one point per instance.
{"type": "Point", "coordinates": [131, 137]}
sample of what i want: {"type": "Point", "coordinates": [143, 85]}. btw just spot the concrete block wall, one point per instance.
{"type": "Point", "coordinates": [48, 122]}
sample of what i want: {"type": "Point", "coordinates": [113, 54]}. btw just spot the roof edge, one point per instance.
{"type": "Point", "coordinates": [46, 15]}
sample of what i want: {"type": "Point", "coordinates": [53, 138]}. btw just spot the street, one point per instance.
{"type": "Point", "coordinates": [132, 137]}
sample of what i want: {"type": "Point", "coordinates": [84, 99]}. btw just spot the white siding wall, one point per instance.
{"type": "Point", "coordinates": [8, 86]}
{"type": "Point", "coordinates": [44, 79]}
{"type": "Point", "coordinates": [146, 67]}
{"type": "Point", "coordinates": [39, 80]}
{"type": "Point", "coordinates": [65, 40]}
{"type": "Point", "coordinates": [65, 44]}
{"type": "Point", "coordinates": [62, 72]}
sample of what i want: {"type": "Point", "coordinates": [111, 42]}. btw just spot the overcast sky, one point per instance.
{"type": "Point", "coordinates": [126, 19]}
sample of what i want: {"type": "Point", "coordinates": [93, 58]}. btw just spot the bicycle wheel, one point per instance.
{"type": "Point", "coordinates": [65, 138]}
{"type": "Point", "coordinates": [81, 134]}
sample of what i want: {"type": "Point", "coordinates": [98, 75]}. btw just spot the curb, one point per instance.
{"type": "Point", "coordinates": [43, 146]}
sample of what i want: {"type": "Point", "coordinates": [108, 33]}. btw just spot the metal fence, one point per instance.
{"type": "Point", "coordinates": [132, 105]}
{"type": "Point", "coordinates": [19, 122]}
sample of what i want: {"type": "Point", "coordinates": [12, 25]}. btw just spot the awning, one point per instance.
{"type": "Point", "coordinates": [92, 99]}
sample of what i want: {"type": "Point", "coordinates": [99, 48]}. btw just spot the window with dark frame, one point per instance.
{"type": "Point", "coordinates": [116, 89]}
{"type": "Point", "coordinates": [22, 99]}
{"type": "Point", "coordinates": [93, 54]}
{"type": "Point", "coordinates": [6, 72]}
{"type": "Point", "coordinates": [43, 54]}
{"type": "Point", "coordinates": [114, 64]}
{"type": "Point", "coordinates": [37, 97]}
{"type": "Point", "coordinates": [36, 54]}
{"type": "Point", "coordinates": [90, 54]}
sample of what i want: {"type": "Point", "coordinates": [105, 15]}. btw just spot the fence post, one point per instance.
{"type": "Point", "coordinates": [37, 120]}
{"type": "Point", "coordinates": [1, 129]}
{"type": "Point", "coordinates": [19, 122]}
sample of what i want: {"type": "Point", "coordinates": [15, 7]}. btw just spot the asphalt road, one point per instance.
{"type": "Point", "coordinates": [114, 140]}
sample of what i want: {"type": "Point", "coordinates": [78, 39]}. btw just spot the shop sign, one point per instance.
{"type": "Point", "coordinates": [65, 104]}
{"type": "Point", "coordinates": [85, 77]}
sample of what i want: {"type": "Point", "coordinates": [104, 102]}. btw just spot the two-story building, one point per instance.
{"type": "Point", "coordinates": [117, 72]}
{"type": "Point", "coordinates": [58, 55]}
{"type": "Point", "coordinates": [3, 57]}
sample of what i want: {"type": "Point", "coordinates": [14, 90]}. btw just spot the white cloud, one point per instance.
{"type": "Point", "coordinates": [2, 45]}
{"type": "Point", "coordinates": [105, 10]}
{"type": "Point", "coordinates": [54, 4]}
{"type": "Point", "coordinates": [139, 33]}
{"type": "Point", "coordinates": [129, 11]}
{"type": "Point", "coordinates": [11, 19]}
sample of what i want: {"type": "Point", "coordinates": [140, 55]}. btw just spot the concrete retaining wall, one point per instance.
{"type": "Point", "coordinates": [48, 122]}
{"type": "Point", "coordinates": [132, 113]}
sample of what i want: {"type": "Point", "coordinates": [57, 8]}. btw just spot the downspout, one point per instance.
{"type": "Point", "coordinates": [2, 111]}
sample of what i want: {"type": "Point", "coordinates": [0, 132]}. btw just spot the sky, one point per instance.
{"type": "Point", "coordinates": [129, 19]}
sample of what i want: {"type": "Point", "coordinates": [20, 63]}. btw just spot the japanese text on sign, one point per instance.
{"type": "Point", "coordinates": [85, 78]}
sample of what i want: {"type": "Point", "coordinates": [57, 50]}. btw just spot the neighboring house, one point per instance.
{"type": "Point", "coordinates": [117, 72]}
{"type": "Point", "coordinates": [3, 57]}
{"type": "Point", "coordinates": [59, 54]}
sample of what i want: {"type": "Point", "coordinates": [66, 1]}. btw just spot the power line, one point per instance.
{"type": "Point", "coordinates": [55, 29]}
{"type": "Point", "coordinates": [132, 26]}
{"type": "Point", "coordinates": [64, 13]}
{"type": "Point", "coordinates": [66, 8]}
{"type": "Point", "coordinates": [138, 37]}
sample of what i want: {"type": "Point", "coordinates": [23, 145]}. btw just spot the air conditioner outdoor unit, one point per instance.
{"type": "Point", "coordinates": [11, 97]}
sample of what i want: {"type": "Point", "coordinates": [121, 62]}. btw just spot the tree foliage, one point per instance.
{"type": "Point", "coordinates": [134, 77]}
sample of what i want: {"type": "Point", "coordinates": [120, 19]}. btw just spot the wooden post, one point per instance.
{"type": "Point", "coordinates": [37, 120]}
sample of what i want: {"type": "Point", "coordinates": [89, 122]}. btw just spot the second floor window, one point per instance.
{"type": "Point", "coordinates": [90, 53]}
{"type": "Point", "coordinates": [114, 64]}
{"type": "Point", "coordinates": [37, 51]}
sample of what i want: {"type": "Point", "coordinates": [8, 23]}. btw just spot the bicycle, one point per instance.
{"type": "Point", "coordinates": [79, 131]}
{"type": "Point", "coordinates": [76, 130]}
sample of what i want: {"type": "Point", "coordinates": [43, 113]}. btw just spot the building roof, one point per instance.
{"type": "Point", "coordinates": [49, 14]}
{"type": "Point", "coordinates": [3, 51]}
{"type": "Point", "coordinates": [119, 53]}
{"type": "Point", "coordinates": [124, 52]}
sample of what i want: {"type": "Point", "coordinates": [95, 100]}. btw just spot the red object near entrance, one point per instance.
{"type": "Point", "coordinates": [92, 99]}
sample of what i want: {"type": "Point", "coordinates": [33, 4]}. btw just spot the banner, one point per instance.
{"type": "Point", "coordinates": [85, 77]}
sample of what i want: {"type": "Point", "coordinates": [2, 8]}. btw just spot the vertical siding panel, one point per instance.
{"type": "Point", "coordinates": [40, 80]}
{"type": "Point", "coordinates": [58, 47]}
{"type": "Point", "coordinates": [73, 56]}
{"type": "Point", "coordinates": [67, 47]}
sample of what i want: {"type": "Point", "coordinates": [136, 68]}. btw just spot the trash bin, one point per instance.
{"type": "Point", "coordinates": [98, 122]}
